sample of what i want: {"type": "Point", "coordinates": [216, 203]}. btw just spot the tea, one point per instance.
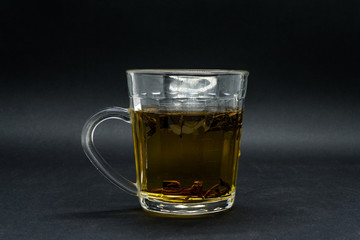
{"type": "Point", "coordinates": [186, 156]}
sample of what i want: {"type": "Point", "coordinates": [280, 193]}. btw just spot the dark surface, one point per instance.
{"type": "Point", "coordinates": [61, 61]}
{"type": "Point", "coordinates": [277, 198]}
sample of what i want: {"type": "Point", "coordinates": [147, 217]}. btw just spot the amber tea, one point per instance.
{"type": "Point", "coordinates": [186, 157]}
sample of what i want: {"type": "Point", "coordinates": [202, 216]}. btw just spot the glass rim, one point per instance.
{"type": "Point", "coordinates": [189, 72]}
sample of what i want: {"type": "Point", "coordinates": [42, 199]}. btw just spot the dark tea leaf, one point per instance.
{"type": "Point", "coordinates": [150, 124]}
{"type": "Point", "coordinates": [173, 187]}
{"type": "Point", "coordinates": [227, 121]}
{"type": "Point", "coordinates": [181, 123]}
{"type": "Point", "coordinates": [163, 121]}
{"type": "Point", "coordinates": [171, 184]}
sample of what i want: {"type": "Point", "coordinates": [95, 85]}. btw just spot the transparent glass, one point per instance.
{"type": "Point", "coordinates": [186, 130]}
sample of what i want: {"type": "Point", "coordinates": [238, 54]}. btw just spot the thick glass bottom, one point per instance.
{"type": "Point", "coordinates": [187, 208]}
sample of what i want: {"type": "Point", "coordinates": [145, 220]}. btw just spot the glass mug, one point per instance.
{"type": "Point", "coordinates": [186, 129]}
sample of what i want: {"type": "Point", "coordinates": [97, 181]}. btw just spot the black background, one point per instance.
{"type": "Point", "coordinates": [299, 174]}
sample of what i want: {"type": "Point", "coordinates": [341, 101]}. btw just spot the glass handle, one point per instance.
{"type": "Point", "coordinates": [87, 141]}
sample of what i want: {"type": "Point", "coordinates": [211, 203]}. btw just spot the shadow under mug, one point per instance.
{"type": "Point", "coordinates": [186, 129]}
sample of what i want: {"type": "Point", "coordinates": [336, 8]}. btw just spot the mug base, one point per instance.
{"type": "Point", "coordinates": [187, 209]}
